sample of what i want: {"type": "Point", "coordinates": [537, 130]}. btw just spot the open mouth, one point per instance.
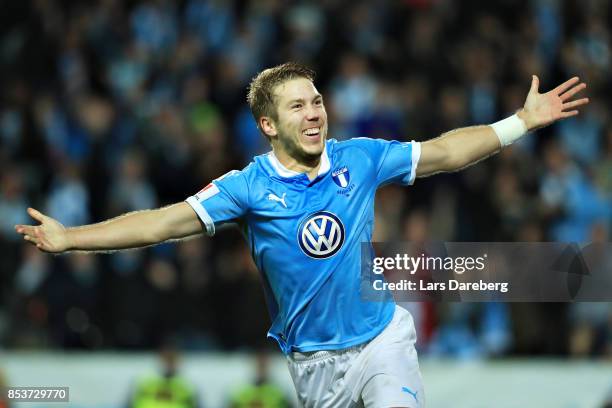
{"type": "Point", "coordinates": [312, 133]}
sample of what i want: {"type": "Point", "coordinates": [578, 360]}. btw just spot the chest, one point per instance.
{"type": "Point", "coordinates": [313, 216]}
{"type": "Point", "coordinates": [341, 190]}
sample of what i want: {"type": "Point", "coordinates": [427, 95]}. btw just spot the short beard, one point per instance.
{"type": "Point", "coordinates": [295, 151]}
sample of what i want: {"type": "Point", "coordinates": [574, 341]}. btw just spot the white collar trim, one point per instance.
{"type": "Point", "coordinates": [285, 172]}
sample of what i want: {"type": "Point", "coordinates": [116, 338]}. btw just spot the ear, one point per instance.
{"type": "Point", "coordinates": [267, 126]}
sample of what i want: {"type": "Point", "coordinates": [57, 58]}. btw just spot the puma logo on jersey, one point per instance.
{"type": "Point", "coordinates": [409, 391]}
{"type": "Point", "coordinates": [274, 197]}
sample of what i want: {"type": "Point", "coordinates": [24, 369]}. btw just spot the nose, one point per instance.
{"type": "Point", "coordinates": [312, 113]}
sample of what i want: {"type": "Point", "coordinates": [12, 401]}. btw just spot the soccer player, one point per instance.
{"type": "Point", "coordinates": [305, 208]}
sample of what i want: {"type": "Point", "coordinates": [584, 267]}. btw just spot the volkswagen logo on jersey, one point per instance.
{"type": "Point", "coordinates": [341, 176]}
{"type": "Point", "coordinates": [321, 235]}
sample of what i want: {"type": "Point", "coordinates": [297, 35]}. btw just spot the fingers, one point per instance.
{"type": "Point", "coordinates": [25, 229]}
{"type": "Point", "coordinates": [574, 104]}
{"type": "Point", "coordinates": [36, 234]}
{"type": "Point", "coordinates": [573, 91]}
{"type": "Point", "coordinates": [37, 215]}
{"type": "Point", "coordinates": [568, 114]}
{"type": "Point", "coordinates": [31, 239]}
{"type": "Point", "coordinates": [33, 236]}
{"type": "Point", "coordinates": [566, 85]}
{"type": "Point", "coordinates": [535, 83]}
{"type": "Point", "coordinates": [30, 233]}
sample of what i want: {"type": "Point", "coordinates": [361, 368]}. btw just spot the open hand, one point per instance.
{"type": "Point", "coordinates": [543, 109]}
{"type": "Point", "coordinates": [49, 236]}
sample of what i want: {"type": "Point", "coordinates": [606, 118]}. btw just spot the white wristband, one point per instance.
{"type": "Point", "coordinates": [509, 129]}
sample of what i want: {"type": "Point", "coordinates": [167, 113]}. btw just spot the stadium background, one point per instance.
{"type": "Point", "coordinates": [111, 106]}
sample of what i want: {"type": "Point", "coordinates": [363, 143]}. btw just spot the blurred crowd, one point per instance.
{"type": "Point", "coordinates": [110, 106]}
{"type": "Point", "coordinates": [169, 388]}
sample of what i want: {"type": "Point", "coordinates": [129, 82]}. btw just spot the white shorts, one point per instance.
{"type": "Point", "coordinates": [382, 373]}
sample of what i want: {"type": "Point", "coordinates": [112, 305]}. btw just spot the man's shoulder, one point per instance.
{"type": "Point", "coordinates": [246, 174]}
{"type": "Point", "coordinates": [358, 145]}
{"type": "Point", "coordinates": [358, 142]}
{"type": "Point", "coordinates": [237, 182]}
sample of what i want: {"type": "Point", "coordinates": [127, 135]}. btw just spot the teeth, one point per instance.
{"type": "Point", "coordinates": [312, 131]}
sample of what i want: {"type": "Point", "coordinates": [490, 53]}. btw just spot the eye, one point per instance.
{"type": "Point", "coordinates": [296, 106]}
{"type": "Point", "coordinates": [319, 102]}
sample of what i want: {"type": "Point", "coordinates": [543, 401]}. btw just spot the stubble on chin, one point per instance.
{"type": "Point", "coordinates": [296, 148]}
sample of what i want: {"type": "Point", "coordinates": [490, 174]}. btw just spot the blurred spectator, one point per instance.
{"type": "Point", "coordinates": [305, 23]}
{"type": "Point", "coordinates": [166, 389]}
{"type": "Point", "coordinates": [581, 137]}
{"type": "Point", "coordinates": [197, 287]}
{"type": "Point", "coordinates": [262, 393]}
{"type": "Point", "coordinates": [211, 22]}
{"type": "Point", "coordinates": [603, 169]}
{"type": "Point", "coordinates": [30, 326]}
{"type": "Point", "coordinates": [68, 198]}
{"type": "Point", "coordinates": [12, 202]}
{"type": "Point", "coordinates": [155, 27]}
{"type": "Point", "coordinates": [591, 333]}
{"type": "Point", "coordinates": [131, 190]}
{"type": "Point", "coordinates": [570, 197]}
{"type": "Point", "coordinates": [352, 94]}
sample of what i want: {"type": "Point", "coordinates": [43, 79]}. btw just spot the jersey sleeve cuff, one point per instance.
{"type": "Point", "coordinates": [203, 215]}
{"type": "Point", "coordinates": [414, 160]}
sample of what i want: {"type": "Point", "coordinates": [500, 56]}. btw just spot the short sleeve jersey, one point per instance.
{"type": "Point", "coordinates": [306, 237]}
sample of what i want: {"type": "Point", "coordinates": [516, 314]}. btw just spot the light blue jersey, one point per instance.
{"type": "Point", "coordinates": [305, 237]}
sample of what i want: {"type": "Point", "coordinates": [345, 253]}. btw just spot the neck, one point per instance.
{"type": "Point", "coordinates": [310, 166]}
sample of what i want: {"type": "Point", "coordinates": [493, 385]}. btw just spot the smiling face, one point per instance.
{"type": "Point", "coordinates": [299, 130]}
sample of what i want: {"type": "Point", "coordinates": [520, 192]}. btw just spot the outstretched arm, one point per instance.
{"type": "Point", "coordinates": [463, 147]}
{"type": "Point", "coordinates": [132, 230]}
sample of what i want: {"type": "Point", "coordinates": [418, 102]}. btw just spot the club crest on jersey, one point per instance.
{"type": "Point", "coordinates": [321, 235]}
{"type": "Point", "coordinates": [341, 177]}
